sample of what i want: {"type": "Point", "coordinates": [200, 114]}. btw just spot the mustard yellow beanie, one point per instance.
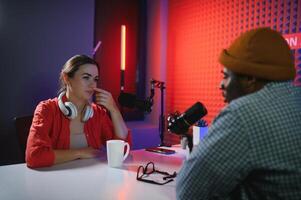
{"type": "Point", "coordinates": [262, 53]}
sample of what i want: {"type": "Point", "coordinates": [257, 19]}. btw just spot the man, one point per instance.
{"type": "Point", "coordinates": [253, 147]}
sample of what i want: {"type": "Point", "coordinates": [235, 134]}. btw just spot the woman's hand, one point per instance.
{"type": "Point", "coordinates": [88, 152]}
{"type": "Point", "coordinates": [104, 98]}
{"type": "Point", "coordinates": [64, 155]}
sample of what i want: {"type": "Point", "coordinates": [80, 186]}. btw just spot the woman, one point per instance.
{"type": "Point", "coordinates": [69, 127]}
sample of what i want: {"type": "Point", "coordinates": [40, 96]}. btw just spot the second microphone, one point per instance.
{"type": "Point", "coordinates": [131, 101]}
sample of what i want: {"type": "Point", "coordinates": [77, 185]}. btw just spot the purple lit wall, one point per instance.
{"type": "Point", "coordinates": [36, 39]}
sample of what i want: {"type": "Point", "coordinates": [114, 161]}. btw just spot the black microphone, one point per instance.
{"type": "Point", "coordinates": [180, 124]}
{"type": "Point", "coordinates": [130, 101]}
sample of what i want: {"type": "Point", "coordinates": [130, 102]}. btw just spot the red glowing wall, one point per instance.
{"type": "Point", "coordinates": [197, 32]}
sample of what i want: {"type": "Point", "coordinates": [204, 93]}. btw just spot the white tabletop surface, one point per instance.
{"type": "Point", "coordinates": [90, 179]}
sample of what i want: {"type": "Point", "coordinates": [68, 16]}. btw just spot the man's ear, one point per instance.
{"type": "Point", "coordinates": [249, 83]}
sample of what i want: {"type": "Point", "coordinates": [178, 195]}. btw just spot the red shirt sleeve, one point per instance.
{"type": "Point", "coordinates": [39, 152]}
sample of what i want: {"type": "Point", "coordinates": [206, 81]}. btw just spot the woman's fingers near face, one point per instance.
{"type": "Point", "coordinates": [104, 100]}
{"type": "Point", "coordinates": [101, 91]}
{"type": "Point", "coordinates": [103, 97]}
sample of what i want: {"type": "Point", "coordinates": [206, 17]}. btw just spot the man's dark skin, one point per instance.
{"type": "Point", "coordinates": [236, 85]}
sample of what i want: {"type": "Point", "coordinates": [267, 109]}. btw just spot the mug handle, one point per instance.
{"type": "Point", "coordinates": [127, 150]}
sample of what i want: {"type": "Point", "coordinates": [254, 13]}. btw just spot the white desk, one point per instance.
{"type": "Point", "coordinates": [89, 179]}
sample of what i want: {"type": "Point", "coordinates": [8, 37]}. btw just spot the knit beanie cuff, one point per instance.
{"type": "Point", "coordinates": [259, 70]}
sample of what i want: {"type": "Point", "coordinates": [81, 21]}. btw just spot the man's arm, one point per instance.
{"type": "Point", "coordinates": [218, 163]}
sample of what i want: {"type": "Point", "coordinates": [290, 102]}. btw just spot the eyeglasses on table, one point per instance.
{"type": "Point", "coordinates": [144, 172]}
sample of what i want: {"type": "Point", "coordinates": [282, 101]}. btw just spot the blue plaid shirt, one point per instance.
{"type": "Point", "coordinates": [251, 151]}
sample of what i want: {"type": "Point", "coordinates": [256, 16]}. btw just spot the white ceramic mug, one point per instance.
{"type": "Point", "coordinates": [115, 152]}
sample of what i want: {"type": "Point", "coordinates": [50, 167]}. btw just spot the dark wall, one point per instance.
{"type": "Point", "coordinates": [36, 38]}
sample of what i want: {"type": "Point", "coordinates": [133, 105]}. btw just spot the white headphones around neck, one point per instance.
{"type": "Point", "coordinates": [70, 110]}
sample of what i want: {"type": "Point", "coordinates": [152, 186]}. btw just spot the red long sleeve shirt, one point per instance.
{"type": "Point", "coordinates": [50, 130]}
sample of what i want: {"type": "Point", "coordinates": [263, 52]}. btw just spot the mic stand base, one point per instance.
{"type": "Point", "coordinates": [190, 143]}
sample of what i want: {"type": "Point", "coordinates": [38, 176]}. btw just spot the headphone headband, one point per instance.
{"type": "Point", "coordinates": [70, 110]}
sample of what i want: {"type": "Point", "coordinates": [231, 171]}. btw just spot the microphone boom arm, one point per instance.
{"type": "Point", "coordinates": [161, 86]}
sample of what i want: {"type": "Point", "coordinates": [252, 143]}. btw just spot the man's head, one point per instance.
{"type": "Point", "coordinates": [235, 85]}
{"type": "Point", "coordinates": [256, 57]}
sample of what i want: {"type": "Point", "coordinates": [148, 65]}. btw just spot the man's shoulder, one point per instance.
{"type": "Point", "coordinates": [274, 97]}
{"type": "Point", "coordinates": [261, 97]}
{"type": "Point", "coordinates": [244, 102]}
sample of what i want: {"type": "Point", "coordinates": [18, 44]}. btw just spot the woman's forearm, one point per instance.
{"type": "Point", "coordinates": [73, 154]}
{"type": "Point", "coordinates": [119, 124]}
{"type": "Point", "coordinates": [65, 155]}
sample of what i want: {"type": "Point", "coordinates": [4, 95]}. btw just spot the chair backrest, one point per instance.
{"type": "Point", "coordinates": [22, 125]}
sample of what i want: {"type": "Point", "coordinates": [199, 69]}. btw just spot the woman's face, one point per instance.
{"type": "Point", "coordinates": [85, 79]}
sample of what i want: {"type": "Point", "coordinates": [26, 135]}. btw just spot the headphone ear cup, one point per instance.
{"type": "Point", "coordinates": [62, 106]}
{"type": "Point", "coordinates": [91, 111]}
{"type": "Point", "coordinates": [88, 113]}
{"type": "Point", "coordinates": [72, 110]}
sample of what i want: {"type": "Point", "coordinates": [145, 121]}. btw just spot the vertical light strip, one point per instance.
{"type": "Point", "coordinates": [123, 40]}
{"type": "Point", "coordinates": [122, 56]}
